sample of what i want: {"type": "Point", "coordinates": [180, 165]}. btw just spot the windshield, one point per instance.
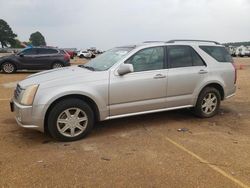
{"type": "Point", "coordinates": [107, 59]}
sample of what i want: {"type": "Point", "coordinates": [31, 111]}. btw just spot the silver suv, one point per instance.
{"type": "Point", "coordinates": [126, 81]}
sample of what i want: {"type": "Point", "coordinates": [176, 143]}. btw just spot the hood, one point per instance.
{"type": "Point", "coordinates": [60, 74]}
{"type": "Point", "coordinates": [6, 56]}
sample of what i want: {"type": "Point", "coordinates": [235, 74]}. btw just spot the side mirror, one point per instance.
{"type": "Point", "coordinates": [21, 54]}
{"type": "Point", "coordinates": [125, 69]}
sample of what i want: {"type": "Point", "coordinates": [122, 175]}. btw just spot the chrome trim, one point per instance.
{"type": "Point", "coordinates": [229, 96]}
{"type": "Point", "coordinates": [25, 126]}
{"type": "Point", "coordinates": [147, 112]}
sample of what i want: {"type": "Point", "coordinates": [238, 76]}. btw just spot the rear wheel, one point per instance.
{"type": "Point", "coordinates": [208, 103]}
{"type": "Point", "coordinates": [70, 119]}
{"type": "Point", "coordinates": [57, 65]}
{"type": "Point", "coordinates": [8, 67]}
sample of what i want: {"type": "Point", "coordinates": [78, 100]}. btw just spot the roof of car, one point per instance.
{"type": "Point", "coordinates": [44, 47]}
{"type": "Point", "coordinates": [180, 42]}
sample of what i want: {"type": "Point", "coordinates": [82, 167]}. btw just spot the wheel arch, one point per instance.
{"type": "Point", "coordinates": [217, 86]}
{"type": "Point", "coordinates": [10, 61]}
{"type": "Point", "coordinates": [84, 98]}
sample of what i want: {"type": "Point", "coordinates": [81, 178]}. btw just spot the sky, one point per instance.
{"type": "Point", "coordinates": [108, 23]}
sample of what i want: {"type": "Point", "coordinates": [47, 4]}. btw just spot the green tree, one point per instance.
{"type": "Point", "coordinates": [17, 44]}
{"type": "Point", "coordinates": [37, 39]}
{"type": "Point", "coordinates": [7, 37]}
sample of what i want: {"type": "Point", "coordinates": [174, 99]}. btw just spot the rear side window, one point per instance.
{"type": "Point", "coordinates": [183, 56]}
{"type": "Point", "coordinates": [218, 52]}
{"type": "Point", "coordinates": [30, 51]}
{"type": "Point", "coordinates": [47, 51]}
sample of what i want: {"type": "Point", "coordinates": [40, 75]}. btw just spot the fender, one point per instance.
{"type": "Point", "coordinates": [15, 62]}
{"type": "Point", "coordinates": [99, 97]}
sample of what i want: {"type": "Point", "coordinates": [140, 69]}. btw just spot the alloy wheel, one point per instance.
{"type": "Point", "coordinates": [209, 103]}
{"type": "Point", "coordinates": [8, 68]}
{"type": "Point", "coordinates": [72, 122]}
{"type": "Point", "coordinates": [57, 65]}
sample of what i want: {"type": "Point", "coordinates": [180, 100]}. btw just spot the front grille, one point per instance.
{"type": "Point", "coordinates": [17, 91]}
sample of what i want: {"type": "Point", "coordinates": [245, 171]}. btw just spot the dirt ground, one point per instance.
{"type": "Point", "coordinates": [141, 151]}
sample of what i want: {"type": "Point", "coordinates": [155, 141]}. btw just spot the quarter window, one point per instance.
{"type": "Point", "coordinates": [218, 52]}
{"type": "Point", "coordinates": [148, 59]}
{"type": "Point", "coordinates": [183, 56]}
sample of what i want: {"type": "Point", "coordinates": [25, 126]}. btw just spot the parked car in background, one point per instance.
{"type": "Point", "coordinates": [126, 81]}
{"type": "Point", "coordinates": [71, 54]}
{"type": "Point", "coordinates": [242, 51]}
{"type": "Point", "coordinates": [35, 59]}
{"type": "Point", "coordinates": [85, 54]}
{"type": "Point", "coordinates": [232, 50]}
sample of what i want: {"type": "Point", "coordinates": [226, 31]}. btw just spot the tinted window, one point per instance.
{"type": "Point", "coordinates": [217, 52]}
{"type": "Point", "coordinates": [183, 56]}
{"type": "Point", "coordinates": [47, 51]}
{"type": "Point", "coordinates": [148, 59]}
{"type": "Point", "coordinates": [30, 51]}
{"type": "Point", "coordinates": [197, 61]}
{"type": "Point", "coordinates": [179, 56]}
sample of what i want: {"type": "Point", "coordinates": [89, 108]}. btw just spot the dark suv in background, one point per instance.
{"type": "Point", "coordinates": [35, 59]}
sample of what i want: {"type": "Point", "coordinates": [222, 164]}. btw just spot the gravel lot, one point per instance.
{"type": "Point", "coordinates": [141, 151]}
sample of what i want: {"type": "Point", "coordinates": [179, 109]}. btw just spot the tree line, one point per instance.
{"type": "Point", "coordinates": [238, 44]}
{"type": "Point", "coordinates": [9, 39]}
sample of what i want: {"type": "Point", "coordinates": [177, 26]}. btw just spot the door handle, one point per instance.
{"type": "Point", "coordinates": [203, 71]}
{"type": "Point", "coordinates": [158, 76]}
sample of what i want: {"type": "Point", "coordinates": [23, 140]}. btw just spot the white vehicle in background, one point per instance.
{"type": "Point", "coordinates": [242, 51]}
{"type": "Point", "coordinates": [232, 50]}
{"type": "Point", "coordinates": [84, 54]}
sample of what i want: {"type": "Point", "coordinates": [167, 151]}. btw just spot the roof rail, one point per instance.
{"type": "Point", "coordinates": [187, 40]}
{"type": "Point", "coordinates": [152, 41]}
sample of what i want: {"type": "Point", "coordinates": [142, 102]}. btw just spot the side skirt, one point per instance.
{"type": "Point", "coordinates": [147, 112]}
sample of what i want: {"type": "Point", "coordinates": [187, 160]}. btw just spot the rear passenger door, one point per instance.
{"type": "Point", "coordinates": [46, 57]}
{"type": "Point", "coordinates": [187, 71]}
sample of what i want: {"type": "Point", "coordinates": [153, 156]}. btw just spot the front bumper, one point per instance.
{"type": "Point", "coordinates": [24, 116]}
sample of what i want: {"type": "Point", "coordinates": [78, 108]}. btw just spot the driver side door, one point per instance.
{"type": "Point", "coordinates": [27, 58]}
{"type": "Point", "coordinates": [142, 90]}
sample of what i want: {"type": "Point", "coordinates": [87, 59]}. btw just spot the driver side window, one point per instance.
{"type": "Point", "coordinates": [31, 51]}
{"type": "Point", "coordinates": [148, 59]}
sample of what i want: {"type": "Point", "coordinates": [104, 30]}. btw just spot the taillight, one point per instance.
{"type": "Point", "coordinates": [66, 57]}
{"type": "Point", "coordinates": [235, 72]}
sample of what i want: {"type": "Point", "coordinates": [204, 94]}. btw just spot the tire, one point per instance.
{"type": "Point", "coordinates": [208, 103]}
{"type": "Point", "coordinates": [81, 56]}
{"type": "Point", "coordinates": [68, 130]}
{"type": "Point", "coordinates": [57, 65]}
{"type": "Point", "coordinates": [8, 67]}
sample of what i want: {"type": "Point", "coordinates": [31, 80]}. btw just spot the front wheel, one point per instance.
{"type": "Point", "coordinates": [70, 119]}
{"type": "Point", "coordinates": [208, 103]}
{"type": "Point", "coordinates": [8, 67]}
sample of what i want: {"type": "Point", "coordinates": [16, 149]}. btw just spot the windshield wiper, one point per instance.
{"type": "Point", "coordinates": [87, 67]}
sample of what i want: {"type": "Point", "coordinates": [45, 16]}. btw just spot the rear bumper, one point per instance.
{"type": "Point", "coordinates": [229, 96]}
{"type": "Point", "coordinates": [24, 116]}
{"type": "Point", "coordinates": [230, 93]}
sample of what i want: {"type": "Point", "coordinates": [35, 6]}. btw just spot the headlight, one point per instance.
{"type": "Point", "coordinates": [29, 94]}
